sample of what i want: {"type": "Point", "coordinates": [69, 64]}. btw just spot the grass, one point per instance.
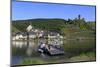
{"type": "Point", "coordinates": [74, 33]}
{"type": "Point", "coordinates": [74, 47]}
{"type": "Point", "coordinates": [32, 61]}
{"type": "Point", "coordinates": [14, 29]}
{"type": "Point", "coordinates": [89, 56]}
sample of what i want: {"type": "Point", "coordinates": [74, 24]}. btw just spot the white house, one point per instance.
{"type": "Point", "coordinates": [53, 35]}
{"type": "Point", "coordinates": [17, 36]}
{"type": "Point", "coordinates": [41, 33]}
{"type": "Point", "coordinates": [32, 35]}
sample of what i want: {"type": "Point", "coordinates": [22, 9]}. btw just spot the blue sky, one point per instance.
{"type": "Point", "coordinates": [31, 10]}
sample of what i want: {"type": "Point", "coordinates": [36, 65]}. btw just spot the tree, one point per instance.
{"type": "Point", "coordinates": [69, 21]}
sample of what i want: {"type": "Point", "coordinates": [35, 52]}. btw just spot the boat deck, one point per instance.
{"type": "Point", "coordinates": [54, 50]}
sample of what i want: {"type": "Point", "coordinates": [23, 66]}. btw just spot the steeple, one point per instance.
{"type": "Point", "coordinates": [79, 17]}
{"type": "Point", "coordinates": [29, 28]}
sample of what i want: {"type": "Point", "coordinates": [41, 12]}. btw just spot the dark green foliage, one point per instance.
{"type": "Point", "coordinates": [69, 21]}
{"type": "Point", "coordinates": [92, 25]}
{"type": "Point", "coordinates": [47, 24]}
{"type": "Point", "coordinates": [53, 24]}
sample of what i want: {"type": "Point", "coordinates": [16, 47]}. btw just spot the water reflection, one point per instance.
{"type": "Point", "coordinates": [55, 41]}
{"type": "Point", "coordinates": [19, 44]}
{"type": "Point", "coordinates": [27, 45]}
{"type": "Point", "coordinates": [31, 46]}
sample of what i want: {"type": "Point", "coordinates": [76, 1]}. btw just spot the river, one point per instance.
{"type": "Point", "coordinates": [26, 49]}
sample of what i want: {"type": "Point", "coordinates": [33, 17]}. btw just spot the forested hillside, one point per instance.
{"type": "Point", "coordinates": [48, 24]}
{"type": "Point", "coordinates": [53, 24]}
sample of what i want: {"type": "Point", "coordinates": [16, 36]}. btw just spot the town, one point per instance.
{"type": "Point", "coordinates": [48, 42]}
{"type": "Point", "coordinates": [35, 33]}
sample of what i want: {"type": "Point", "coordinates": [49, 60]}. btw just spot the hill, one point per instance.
{"type": "Point", "coordinates": [65, 27]}
{"type": "Point", "coordinates": [14, 29]}
{"type": "Point", "coordinates": [47, 24]}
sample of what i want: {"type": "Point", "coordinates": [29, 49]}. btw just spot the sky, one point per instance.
{"type": "Point", "coordinates": [33, 10]}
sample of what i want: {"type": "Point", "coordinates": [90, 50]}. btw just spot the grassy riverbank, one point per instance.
{"type": "Point", "coordinates": [89, 56]}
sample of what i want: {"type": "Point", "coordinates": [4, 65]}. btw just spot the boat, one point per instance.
{"type": "Point", "coordinates": [51, 49]}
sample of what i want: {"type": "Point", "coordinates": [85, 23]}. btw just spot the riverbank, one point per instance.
{"type": "Point", "coordinates": [89, 56]}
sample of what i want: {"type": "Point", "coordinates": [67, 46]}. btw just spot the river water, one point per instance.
{"type": "Point", "coordinates": [24, 49]}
